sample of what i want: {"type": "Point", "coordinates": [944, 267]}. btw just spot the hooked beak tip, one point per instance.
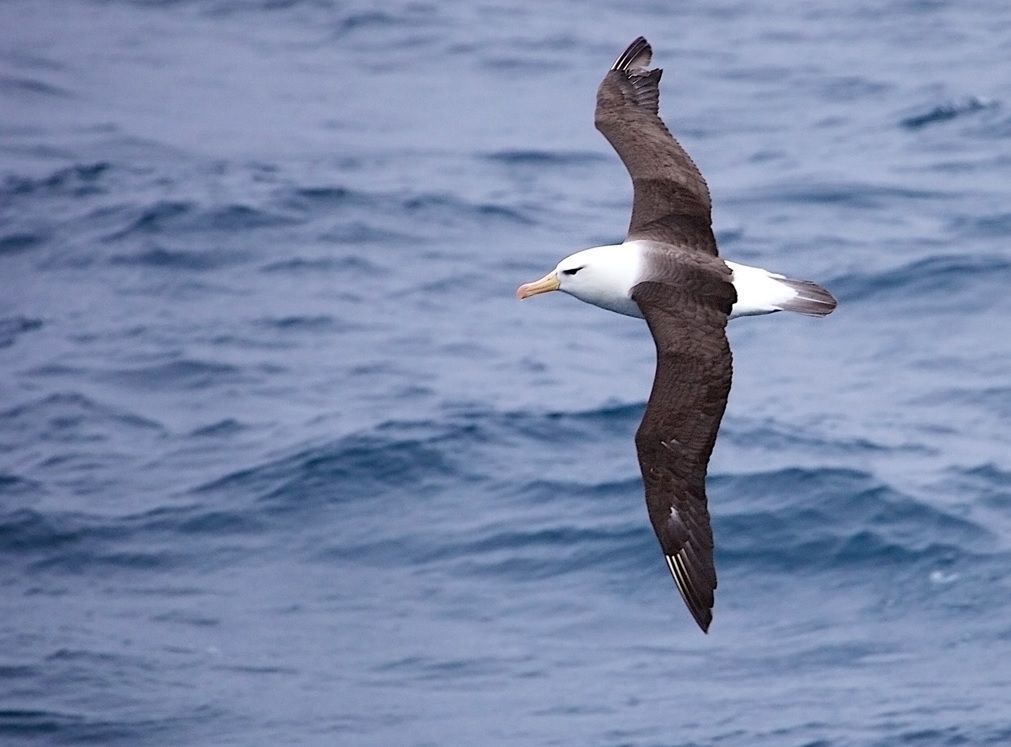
{"type": "Point", "coordinates": [546, 284]}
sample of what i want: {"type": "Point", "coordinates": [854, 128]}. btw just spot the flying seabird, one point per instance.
{"type": "Point", "coordinates": [668, 272]}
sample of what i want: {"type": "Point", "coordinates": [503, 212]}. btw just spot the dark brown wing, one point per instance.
{"type": "Point", "coordinates": [671, 202]}
{"type": "Point", "coordinates": [675, 439]}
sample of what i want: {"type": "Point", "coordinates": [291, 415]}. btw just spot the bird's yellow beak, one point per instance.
{"type": "Point", "coordinates": [547, 283]}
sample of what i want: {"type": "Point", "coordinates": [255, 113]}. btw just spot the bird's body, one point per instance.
{"type": "Point", "coordinates": [607, 274]}
{"type": "Point", "coordinates": [668, 272]}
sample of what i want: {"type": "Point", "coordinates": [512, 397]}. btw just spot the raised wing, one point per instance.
{"type": "Point", "coordinates": [671, 200]}
{"type": "Point", "coordinates": [675, 439]}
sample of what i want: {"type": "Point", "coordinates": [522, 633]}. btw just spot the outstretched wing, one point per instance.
{"type": "Point", "coordinates": [671, 203]}
{"type": "Point", "coordinates": [675, 439]}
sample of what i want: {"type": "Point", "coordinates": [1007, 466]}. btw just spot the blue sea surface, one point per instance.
{"type": "Point", "coordinates": [283, 461]}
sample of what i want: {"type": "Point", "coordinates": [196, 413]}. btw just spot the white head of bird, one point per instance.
{"type": "Point", "coordinates": [602, 276]}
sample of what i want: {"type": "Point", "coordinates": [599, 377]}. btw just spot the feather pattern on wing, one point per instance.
{"type": "Point", "coordinates": [671, 200]}
{"type": "Point", "coordinates": [687, 315]}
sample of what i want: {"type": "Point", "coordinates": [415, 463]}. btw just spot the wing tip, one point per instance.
{"type": "Point", "coordinates": [704, 621]}
{"type": "Point", "coordinates": [701, 613]}
{"type": "Point", "coordinates": [637, 54]}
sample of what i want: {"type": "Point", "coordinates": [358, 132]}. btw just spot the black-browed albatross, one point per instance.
{"type": "Point", "coordinates": [668, 272]}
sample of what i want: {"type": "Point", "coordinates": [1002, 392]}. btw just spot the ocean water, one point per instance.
{"type": "Point", "coordinates": [282, 460]}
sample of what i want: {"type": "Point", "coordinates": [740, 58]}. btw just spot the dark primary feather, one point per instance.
{"type": "Point", "coordinates": [671, 200]}
{"type": "Point", "coordinates": [636, 54]}
{"type": "Point", "coordinates": [687, 315]}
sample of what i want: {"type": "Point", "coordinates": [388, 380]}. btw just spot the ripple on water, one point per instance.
{"type": "Point", "coordinates": [70, 414]}
{"type": "Point", "coordinates": [926, 281]}
{"type": "Point", "coordinates": [11, 328]}
{"type": "Point", "coordinates": [184, 216]}
{"type": "Point", "coordinates": [947, 111]}
{"type": "Point", "coordinates": [832, 518]}
{"type": "Point", "coordinates": [20, 241]}
{"type": "Point", "coordinates": [78, 180]}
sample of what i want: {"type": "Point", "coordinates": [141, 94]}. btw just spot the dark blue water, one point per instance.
{"type": "Point", "coordinates": [282, 461]}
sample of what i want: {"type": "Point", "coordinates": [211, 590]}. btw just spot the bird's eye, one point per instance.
{"type": "Point", "coordinates": [571, 271]}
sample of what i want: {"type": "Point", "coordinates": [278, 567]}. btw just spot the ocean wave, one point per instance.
{"type": "Point", "coordinates": [27, 725]}
{"type": "Point", "coordinates": [790, 519]}
{"type": "Point", "coordinates": [180, 259]}
{"type": "Point", "coordinates": [991, 400]}
{"type": "Point", "coordinates": [62, 412]}
{"type": "Point", "coordinates": [365, 20]}
{"type": "Point", "coordinates": [946, 112]}
{"type": "Point", "coordinates": [221, 428]}
{"type": "Point", "coordinates": [355, 467]}
{"type": "Point", "coordinates": [449, 208]}
{"type": "Point", "coordinates": [364, 232]}
{"type": "Point", "coordinates": [356, 208]}
{"type": "Point", "coordinates": [15, 485]}
{"type": "Point", "coordinates": [628, 413]}
{"type": "Point", "coordinates": [20, 241]}
{"type": "Point", "coordinates": [863, 195]}
{"type": "Point", "coordinates": [303, 322]}
{"type": "Point", "coordinates": [530, 553]}
{"type": "Point", "coordinates": [926, 281]}
{"type": "Point", "coordinates": [76, 542]}
{"type": "Point", "coordinates": [14, 85]}
{"type": "Point", "coordinates": [544, 528]}
{"type": "Point", "coordinates": [28, 530]}
{"type": "Point", "coordinates": [183, 374]}
{"type": "Point", "coordinates": [320, 197]}
{"type": "Point", "coordinates": [178, 216]}
{"type": "Point", "coordinates": [393, 456]}
{"type": "Point", "coordinates": [744, 432]}
{"type": "Point", "coordinates": [819, 519]}
{"type": "Point", "coordinates": [13, 327]}
{"type": "Point", "coordinates": [541, 158]}
{"type": "Point", "coordinates": [78, 180]}
{"type": "Point", "coordinates": [983, 226]}
{"type": "Point", "coordinates": [20, 723]}
{"type": "Point", "coordinates": [990, 485]}
{"type": "Point", "coordinates": [313, 265]}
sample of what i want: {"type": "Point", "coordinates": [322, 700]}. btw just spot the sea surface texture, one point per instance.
{"type": "Point", "coordinates": [284, 462]}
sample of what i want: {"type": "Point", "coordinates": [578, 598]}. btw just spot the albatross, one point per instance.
{"type": "Point", "coordinates": [668, 272]}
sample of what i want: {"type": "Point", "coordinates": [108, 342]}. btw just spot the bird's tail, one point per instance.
{"type": "Point", "coordinates": [762, 292]}
{"type": "Point", "coordinates": [809, 298]}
